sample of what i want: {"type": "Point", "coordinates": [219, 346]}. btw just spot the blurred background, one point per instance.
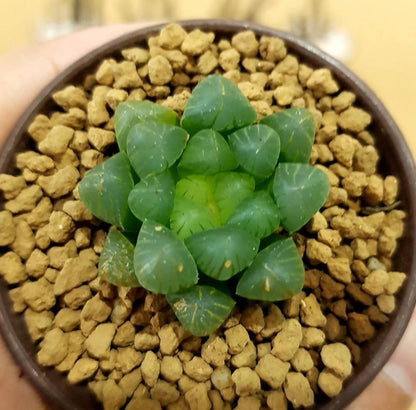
{"type": "Point", "coordinates": [375, 38]}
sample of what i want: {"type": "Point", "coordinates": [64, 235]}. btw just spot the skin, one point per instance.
{"type": "Point", "coordinates": [23, 74]}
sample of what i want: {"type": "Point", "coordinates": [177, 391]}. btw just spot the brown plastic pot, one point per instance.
{"type": "Point", "coordinates": [396, 160]}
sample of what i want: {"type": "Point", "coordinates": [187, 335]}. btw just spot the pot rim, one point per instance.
{"type": "Point", "coordinates": [12, 328]}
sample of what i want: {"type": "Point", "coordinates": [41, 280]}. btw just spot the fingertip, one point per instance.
{"type": "Point", "coordinates": [382, 393]}
{"type": "Point", "coordinates": [65, 50]}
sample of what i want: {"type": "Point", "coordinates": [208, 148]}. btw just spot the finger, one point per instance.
{"type": "Point", "coordinates": [402, 365]}
{"type": "Point", "coordinates": [382, 394]}
{"type": "Point", "coordinates": [15, 392]}
{"type": "Point", "coordinates": [66, 50]}
{"type": "Point", "coordinates": [24, 72]}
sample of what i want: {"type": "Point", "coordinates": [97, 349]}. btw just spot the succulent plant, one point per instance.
{"type": "Point", "coordinates": [196, 202]}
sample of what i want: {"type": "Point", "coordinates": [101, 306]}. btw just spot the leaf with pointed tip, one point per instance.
{"type": "Point", "coordinates": [296, 129]}
{"type": "Point", "coordinates": [152, 198]}
{"type": "Point", "coordinates": [299, 190]}
{"type": "Point", "coordinates": [230, 189]}
{"type": "Point", "coordinates": [222, 252]}
{"type": "Point", "coordinates": [201, 309]}
{"type": "Point", "coordinates": [217, 103]}
{"type": "Point", "coordinates": [104, 191]}
{"type": "Point", "coordinates": [116, 263]}
{"type": "Point", "coordinates": [162, 262]}
{"type": "Point", "coordinates": [276, 273]}
{"type": "Point", "coordinates": [257, 214]}
{"type": "Point", "coordinates": [207, 153]}
{"type": "Point", "coordinates": [130, 113]}
{"type": "Point", "coordinates": [152, 147]}
{"type": "Point", "coordinates": [256, 149]}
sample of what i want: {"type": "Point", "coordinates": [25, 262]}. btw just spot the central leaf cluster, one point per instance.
{"type": "Point", "coordinates": [196, 200]}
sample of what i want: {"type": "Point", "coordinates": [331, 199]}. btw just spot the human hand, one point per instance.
{"type": "Point", "coordinates": [394, 388]}
{"type": "Point", "coordinates": [23, 74]}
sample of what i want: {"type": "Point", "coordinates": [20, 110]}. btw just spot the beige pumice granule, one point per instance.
{"type": "Point", "coordinates": [196, 42]}
{"type": "Point", "coordinates": [311, 313]}
{"type": "Point", "coordinates": [312, 337]}
{"type": "Point", "coordinates": [150, 368]}
{"type": "Point", "coordinates": [329, 383]}
{"type": "Point", "coordinates": [272, 370]}
{"type": "Point", "coordinates": [337, 357]}
{"type": "Point", "coordinates": [74, 273]}
{"type": "Point", "coordinates": [127, 358]}
{"type": "Point", "coordinates": [24, 242]}
{"type": "Point", "coordinates": [168, 340]}
{"type": "Point", "coordinates": [83, 369]}
{"type": "Point", "coordinates": [99, 341]}
{"type": "Point", "coordinates": [246, 358]}
{"type": "Point", "coordinates": [76, 348]}
{"type": "Point", "coordinates": [354, 119]}
{"type": "Point", "coordinates": [273, 321]}
{"type": "Point", "coordinates": [317, 252]}
{"type": "Point", "coordinates": [61, 183]}
{"type": "Point", "coordinates": [247, 381]}
{"type": "Point", "coordinates": [54, 348]}
{"type": "Point", "coordinates": [287, 341]}
{"type": "Point", "coordinates": [298, 390]}
{"type": "Point", "coordinates": [171, 368]}
{"type": "Point", "coordinates": [197, 369]}
{"type": "Point", "coordinates": [215, 351]}
{"type": "Point", "coordinates": [236, 339]}
{"type": "Point", "coordinates": [56, 141]}
{"type": "Point", "coordinates": [38, 295]}
{"type": "Point", "coordinates": [26, 200]}
{"type": "Point", "coordinates": [8, 230]}
{"type": "Point", "coordinates": [197, 397]}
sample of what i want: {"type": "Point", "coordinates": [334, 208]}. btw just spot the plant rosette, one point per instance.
{"type": "Point", "coordinates": [204, 195]}
{"type": "Point", "coordinates": [229, 177]}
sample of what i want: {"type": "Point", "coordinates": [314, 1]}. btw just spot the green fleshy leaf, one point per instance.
{"type": "Point", "coordinates": [197, 188]}
{"type": "Point", "coordinates": [104, 191]}
{"type": "Point", "coordinates": [296, 129]}
{"type": "Point", "coordinates": [201, 309]}
{"type": "Point", "coordinates": [257, 214]}
{"type": "Point", "coordinates": [299, 190]}
{"type": "Point", "coordinates": [152, 198]}
{"type": "Point", "coordinates": [162, 262]}
{"type": "Point", "coordinates": [222, 252]}
{"type": "Point", "coordinates": [257, 149]}
{"type": "Point", "coordinates": [194, 207]}
{"type": "Point", "coordinates": [207, 153]}
{"type": "Point", "coordinates": [128, 114]}
{"type": "Point", "coordinates": [116, 263]}
{"type": "Point", "coordinates": [190, 217]}
{"type": "Point", "coordinates": [277, 273]}
{"type": "Point", "coordinates": [153, 147]}
{"type": "Point", "coordinates": [217, 103]}
{"type": "Point", "coordinates": [230, 189]}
